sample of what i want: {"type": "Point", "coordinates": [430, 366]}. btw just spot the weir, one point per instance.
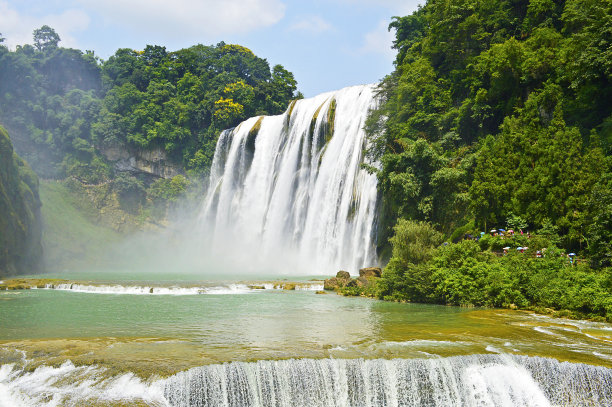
{"type": "Point", "coordinates": [291, 190]}
{"type": "Point", "coordinates": [477, 380]}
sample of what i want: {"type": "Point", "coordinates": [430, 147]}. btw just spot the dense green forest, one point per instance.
{"type": "Point", "coordinates": [66, 109]}
{"type": "Point", "coordinates": [498, 115]}
{"type": "Point", "coordinates": [20, 222]}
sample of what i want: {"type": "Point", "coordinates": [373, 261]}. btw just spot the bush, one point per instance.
{"type": "Point", "coordinates": [414, 242]}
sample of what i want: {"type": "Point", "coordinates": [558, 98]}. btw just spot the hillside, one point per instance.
{"type": "Point", "coordinates": [20, 221]}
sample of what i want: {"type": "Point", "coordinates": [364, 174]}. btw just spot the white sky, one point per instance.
{"type": "Point", "coordinates": [327, 44]}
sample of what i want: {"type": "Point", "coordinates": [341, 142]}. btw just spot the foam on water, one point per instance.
{"type": "Point", "coordinates": [159, 290]}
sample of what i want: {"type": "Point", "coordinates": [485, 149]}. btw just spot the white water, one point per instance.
{"type": "Point", "coordinates": [156, 290]}
{"type": "Point", "coordinates": [477, 380]}
{"type": "Point", "coordinates": [285, 195]}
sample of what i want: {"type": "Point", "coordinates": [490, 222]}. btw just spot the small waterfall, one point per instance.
{"type": "Point", "coordinates": [289, 190]}
{"type": "Point", "coordinates": [477, 380]}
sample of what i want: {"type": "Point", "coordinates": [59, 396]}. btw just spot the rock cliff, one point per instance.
{"type": "Point", "coordinates": [20, 220]}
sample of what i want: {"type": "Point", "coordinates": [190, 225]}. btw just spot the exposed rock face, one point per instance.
{"type": "Point", "coordinates": [20, 220]}
{"type": "Point", "coordinates": [153, 162]}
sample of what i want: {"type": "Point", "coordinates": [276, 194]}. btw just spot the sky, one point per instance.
{"type": "Point", "coordinates": [327, 44]}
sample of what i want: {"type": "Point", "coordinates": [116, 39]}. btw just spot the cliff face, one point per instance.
{"type": "Point", "coordinates": [20, 220]}
{"type": "Point", "coordinates": [152, 162]}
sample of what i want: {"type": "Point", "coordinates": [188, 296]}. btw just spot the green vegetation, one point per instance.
{"type": "Point", "coordinates": [65, 107]}
{"type": "Point", "coordinates": [499, 107]}
{"type": "Point", "coordinates": [497, 114]}
{"type": "Point", "coordinates": [466, 274]}
{"type": "Point", "coordinates": [20, 224]}
{"type": "Point", "coordinates": [74, 231]}
{"type": "Point", "coordinates": [180, 101]}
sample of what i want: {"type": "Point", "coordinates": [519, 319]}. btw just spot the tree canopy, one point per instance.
{"type": "Point", "coordinates": [64, 106]}
{"type": "Point", "coordinates": [498, 107]}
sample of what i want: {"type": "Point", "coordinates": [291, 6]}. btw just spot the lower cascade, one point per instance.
{"type": "Point", "coordinates": [291, 189]}
{"type": "Point", "coordinates": [477, 380]}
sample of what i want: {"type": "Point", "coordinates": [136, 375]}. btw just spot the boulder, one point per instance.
{"type": "Point", "coordinates": [370, 272]}
{"type": "Point", "coordinates": [341, 280]}
{"type": "Point", "coordinates": [351, 283]}
{"type": "Point", "coordinates": [361, 281]}
{"type": "Point", "coordinates": [343, 275]}
{"type": "Point", "coordinates": [330, 283]}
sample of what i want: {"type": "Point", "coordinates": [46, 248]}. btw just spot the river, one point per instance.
{"type": "Point", "coordinates": [168, 340]}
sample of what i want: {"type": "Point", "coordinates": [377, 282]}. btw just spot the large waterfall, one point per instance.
{"type": "Point", "coordinates": [479, 380]}
{"type": "Point", "coordinates": [290, 191]}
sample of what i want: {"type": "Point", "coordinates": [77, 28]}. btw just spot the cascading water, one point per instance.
{"type": "Point", "coordinates": [290, 189]}
{"type": "Point", "coordinates": [478, 380]}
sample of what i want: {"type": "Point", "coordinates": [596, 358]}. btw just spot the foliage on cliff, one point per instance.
{"type": "Point", "coordinates": [180, 101]}
{"type": "Point", "coordinates": [62, 105]}
{"type": "Point", "coordinates": [20, 230]}
{"type": "Point", "coordinates": [497, 108]}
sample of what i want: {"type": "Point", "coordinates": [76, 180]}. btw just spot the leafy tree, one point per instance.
{"type": "Point", "coordinates": [509, 97]}
{"type": "Point", "coordinates": [414, 242]}
{"type": "Point", "coordinates": [45, 38]}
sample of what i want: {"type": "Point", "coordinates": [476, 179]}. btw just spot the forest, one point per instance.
{"type": "Point", "coordinates": [64, 107]}
{"type": "Point", "coordinates": [498, 116]}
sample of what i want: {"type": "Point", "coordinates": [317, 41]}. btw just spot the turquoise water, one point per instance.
{"type": "Point", "coordinates": [264, 324]}
{"type": "Point", "coordinates": [90, 345]}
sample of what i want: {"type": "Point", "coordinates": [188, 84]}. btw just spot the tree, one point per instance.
{"type": "Point", "coordinates": [1, 38]}
{"type": "Point", "coordinates": [414, 242]}
{"type": "Point", "coordinates": [45, 38]}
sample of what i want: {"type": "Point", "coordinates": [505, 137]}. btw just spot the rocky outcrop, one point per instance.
{"type": "Point", "coordinates": [370, 272]}
{"type": "Point", "coordinates": [20, 220]}
{"type": "Point", "coordinates": [343, 279]}
{"type": "Point", "coordinates": [152, 162]}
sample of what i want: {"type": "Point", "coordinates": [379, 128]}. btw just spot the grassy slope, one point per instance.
{"type": "Point", "coordinates": [70, 238]}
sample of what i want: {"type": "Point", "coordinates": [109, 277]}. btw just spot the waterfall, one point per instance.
{"type": "Point", "coordinates": [477, 380]}
{"type": "Point", "coordinates": [290, 191]}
